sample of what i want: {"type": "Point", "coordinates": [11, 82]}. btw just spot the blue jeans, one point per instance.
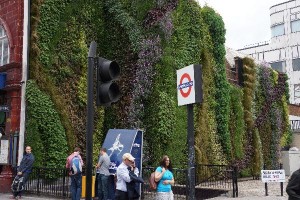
{"type": "Point", "coordinates": [111, 187]}
{"type": "Point", "coordinates": [102, 187]}
{"type": "Point", "coordinates": [76, 186]}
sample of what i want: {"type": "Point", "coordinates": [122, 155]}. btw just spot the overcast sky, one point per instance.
{"type": "Point", "coordinates": [246, 21]}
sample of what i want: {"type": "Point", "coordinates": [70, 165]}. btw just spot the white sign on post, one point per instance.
{"type": "Point", "coordinates": [273, 176]}
{"type": "Point", "coordinates": [189, 85]}
{"type": "Point", "coordinates": [4, 152]}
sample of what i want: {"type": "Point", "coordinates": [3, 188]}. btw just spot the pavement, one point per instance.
{"type": "Point", "coordinates": [270, 197]}
{"type": "Point", "coordinates": [255, 190]}
{"type": "Point", "coordinates": [26, 197]}
{"type": "Point", "coordinates": [248, 190]}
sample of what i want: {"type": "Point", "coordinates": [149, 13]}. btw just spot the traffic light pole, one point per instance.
{"type": "Point", "coordinates": [90, 120]}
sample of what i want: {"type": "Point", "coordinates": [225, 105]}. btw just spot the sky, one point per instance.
{"type": "Point", "coordinates": [246, 21]}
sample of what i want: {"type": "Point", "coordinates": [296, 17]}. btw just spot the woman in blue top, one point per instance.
{"type": "Point", "coordinates": [165, 179]}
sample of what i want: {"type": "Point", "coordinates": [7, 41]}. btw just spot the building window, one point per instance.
{"type": "Point", "coordinates": [277, 30]}
{"type": "Point", "coordinates": [297, 91]}
{"type": "Point", "coordinates": [295, 26]}
{"type": "Point", "coordinates": [296, 64]}
{"type": "Point", "coordinates": [279, 66]}
{"type": "Point", "coordinates": [4, 47]}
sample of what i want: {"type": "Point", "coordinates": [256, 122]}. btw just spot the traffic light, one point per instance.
{"type": "Point", "coordinates": [107, 90]}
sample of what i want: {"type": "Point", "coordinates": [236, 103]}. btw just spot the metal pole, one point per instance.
{"type": "Point", "coordinates": [90, 120]}
{"type": "Point", "coordinates": [281, 183]}
{"type": "Point", "coordinates": [266, 184]}
{"type": "Point", "coordinates": [233, 183]}
{"type": "Point", "coordinates": [191, 152]}
{"type": "Point", "coordinates": [236, 182]}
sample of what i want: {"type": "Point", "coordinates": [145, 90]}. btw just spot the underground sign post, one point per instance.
{"type": "Point", "coordinates": [189, 91]}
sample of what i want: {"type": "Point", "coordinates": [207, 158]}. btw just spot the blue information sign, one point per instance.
{"type": "Point", "coordinates": [120, 141]}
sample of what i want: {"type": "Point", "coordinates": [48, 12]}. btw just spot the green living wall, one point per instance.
{"type": "Point", "coordinates": [150, 40]}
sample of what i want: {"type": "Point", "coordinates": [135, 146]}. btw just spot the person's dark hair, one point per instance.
{"type": "Point", "coordinates": [103, 149]}
{"type": "Point", "coordinates": [24, 153]}
{"type": "Point", "coordinates": [163, 163]}
{"type": "Point", "coordinates": [27, 147]}
{"type": "Point", "coordinates": [77, 149]}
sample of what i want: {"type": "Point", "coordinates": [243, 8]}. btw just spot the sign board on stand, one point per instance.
{"type": "Point", "coordinates": [189, 85]}
{"type": "Point", "coordinates": [120, 141]}
{"type": "Point", "coordinates": [273, 176]}
{"type": "Point", "coordinates": [189, 91]}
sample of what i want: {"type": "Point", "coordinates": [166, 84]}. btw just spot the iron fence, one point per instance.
{"type": "Point", "coordinates": [211, 181]}
{"type": "Point", "coordinates": [216, 179]}
{"type": "Point", "coordinates": [48, 181]}
{"type": "Point", "coordinates": [179, 188]}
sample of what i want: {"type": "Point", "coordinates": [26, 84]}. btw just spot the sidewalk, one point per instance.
{"type": "Point", "coordinates": [27, 197]}
{"type": "Point", "coordinates": [255, 190]}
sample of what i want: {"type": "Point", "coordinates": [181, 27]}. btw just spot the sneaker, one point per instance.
{"type": "Point", "coordinates": [12, 197]}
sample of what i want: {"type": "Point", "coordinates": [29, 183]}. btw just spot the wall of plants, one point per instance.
{"type": "Point", "coordinates": [150, 40]}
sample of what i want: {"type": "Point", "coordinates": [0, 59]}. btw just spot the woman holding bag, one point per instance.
{"type": "Point", "coordinates": [165, 179]}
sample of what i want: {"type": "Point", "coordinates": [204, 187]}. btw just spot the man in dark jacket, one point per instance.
{"type": "Point", "coordinates": [24, 169]}
{"type": "Point", "coordinates": [293, 187]}
{"type": "Point", "coordinates": [132, 186]}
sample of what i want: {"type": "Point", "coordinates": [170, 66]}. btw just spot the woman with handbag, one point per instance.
{"type": "Point", "coordinates": [164, 177]}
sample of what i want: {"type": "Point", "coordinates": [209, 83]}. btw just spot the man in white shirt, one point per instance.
{"type": "Point", "coordinates": [123, 176]}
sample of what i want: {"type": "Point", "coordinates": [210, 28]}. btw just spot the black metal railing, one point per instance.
{"type": "Point", "coordinates": [211, 180]}
{"type": "Point", "coordinates": [217, 177]}
{"type": "Point", "coordinates": [179, 188]}
{"type": "Point", "coordinates": [48, 181]}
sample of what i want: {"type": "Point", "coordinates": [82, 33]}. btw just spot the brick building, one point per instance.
{"type": "Point", "coordinates": [13, 64]}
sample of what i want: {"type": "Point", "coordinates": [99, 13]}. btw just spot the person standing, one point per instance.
{"type": "Point", "coordinates": [97, 174]}
{"type": "Point", "coordinates": [74, 164]}
{"type": "Point", "coordinates": [164, 177]}
{"type": "Point", "coordinates": [103, 166]}
{"type": "Point", "coordinates": [123, 176]}
{"type": "Point", "coordinates": [24, 169]}
{"type": "Point", "coordinates": [293, 186]}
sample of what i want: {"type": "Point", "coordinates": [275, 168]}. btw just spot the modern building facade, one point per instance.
{"type": "Point", "coordinates": [283, 50]}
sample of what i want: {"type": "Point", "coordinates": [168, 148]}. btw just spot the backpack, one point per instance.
{"type": "Point", "coordinates": [76, 167]}
{"type": "Point", "coordinates": [152, 182]}
{"type": "Point", "coordinates": [17, 184]}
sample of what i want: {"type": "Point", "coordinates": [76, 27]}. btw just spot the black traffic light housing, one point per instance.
{"type": "Point", "coordinates": [107, 90]}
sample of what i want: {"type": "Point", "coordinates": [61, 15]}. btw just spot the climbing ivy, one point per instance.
{"type": "Point", "coordinates": [43, 122]}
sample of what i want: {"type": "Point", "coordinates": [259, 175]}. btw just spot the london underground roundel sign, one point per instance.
{"type": "Point", "coordinates": [188, 84]}
{"type": "Point", "coordinates": [189, 80]}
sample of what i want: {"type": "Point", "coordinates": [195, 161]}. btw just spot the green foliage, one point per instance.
{"type": "Point", "coordinates": [217, 31]}
{"type": "Point", "coordinates": [161, 126]}
{"type": "Point", "coordinates": [180, 33]}
{"type": "Point", "coordinates": [207, 146]}
{"type": "Point", "coordinates": [237, 125]}
{"type": "Point", "coordinates": [252, 142]}
{"type": "Point", "coordinates": [287, 134]}
{"type": "Point", "coordinates": [272, 116]}
{"type": "Point", "coordinates": [33, 139]}
{"type": "Point", "coordinates": [127, 22]}
{"type": "Point", "coordinates": [46, 131]}
{"type": "Point", "coordinates": [40, 74]}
